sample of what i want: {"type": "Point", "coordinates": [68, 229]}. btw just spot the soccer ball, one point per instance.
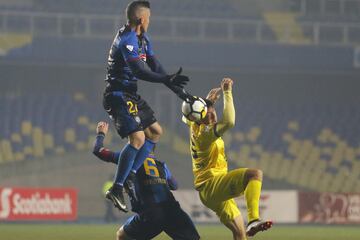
{"type": "Point", "coordinates": [194, 110]}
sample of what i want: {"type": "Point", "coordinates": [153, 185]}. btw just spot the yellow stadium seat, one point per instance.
{"type": "Point", "coordinates": [239, 136]}
{"type": "Point", "coordinates": [287, 137]}
{"type": "Point", "coordinates": [48, 141]}
{"type": "Point", "coordinates": [80, 146]}
{"type": "Point", "coordinates": [59, 150]}
{"type": "Point", "coordinates": [19, 156]}
{"type": "Point", "coordinates": [26, 128]}
{"type": "Point", "coordinates": [253, 134]}
{"type": "Point", "coordinates": [83, 120]}
{"type": "Point", "coordinates": [38, 142]}
{"type": "Point", "coordinates": [293, 125]}
{"type": "Point", "coordinates": [6, 150]}
{"type": "Point", "coordinates": [16, 137]}
{"type": "Point", "coordinates": [285, 27]}
{"type": "Point", "coordinates": [28, 150]}
{"type": "Point", "coordinates": [70, 135]}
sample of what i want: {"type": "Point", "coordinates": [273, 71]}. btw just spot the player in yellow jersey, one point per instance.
{"type": "Point", "coordinates": [216, 186]}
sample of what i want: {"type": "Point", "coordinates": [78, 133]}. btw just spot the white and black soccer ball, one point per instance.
{"type": "Point", "coordinates": [194, 110]}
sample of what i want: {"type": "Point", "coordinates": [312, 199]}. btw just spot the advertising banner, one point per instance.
{"type": "Point", "coordinates": [38, 204]}
{"type": "Point", "coordinates": [330, 208]}
{"type": "Point", "coordinates": [279, 206]}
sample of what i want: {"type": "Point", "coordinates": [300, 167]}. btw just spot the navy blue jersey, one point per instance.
{"type": "Point", "coordinates": [152, 185]}
{"type": "Point", "coordinates": [128, 56]}
{"type": "Point", "coordinates": [153, 180]}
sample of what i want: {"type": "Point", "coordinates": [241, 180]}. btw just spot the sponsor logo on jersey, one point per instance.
{"type": "Point", "coordinates": [137, 119]}
{"type": "Point", "coordinates": [130, 47]}
{"type": "Point", "coordinates": [143, 57]}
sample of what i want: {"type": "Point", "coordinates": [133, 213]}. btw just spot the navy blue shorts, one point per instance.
{"type": "Point", "coordinates": [169, 218]}
{"type": "Point", "coordinates": [129, 112]}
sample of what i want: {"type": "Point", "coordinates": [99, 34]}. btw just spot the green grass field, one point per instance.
{"type": "Point", "coordinates": [207, 232]}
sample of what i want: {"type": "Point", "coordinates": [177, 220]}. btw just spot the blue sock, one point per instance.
{"type": "Point", "coordinates": [143, 154]}
{"type": "Point", "coordinates": [125, 163]}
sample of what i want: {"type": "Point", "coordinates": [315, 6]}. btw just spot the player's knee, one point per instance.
{"type": "Point", "coordinates": [254, 174]}
{"type": "Point", "coordinates": [137, 139]}
{"type": "Point", "coordinates": [155, 132]}
{"type": "Point", "coordinates": [121, 235]}
{"type": "Point", "coordinates": [258, 174]}
{"type": "Point", "coordinates": [159, 131]}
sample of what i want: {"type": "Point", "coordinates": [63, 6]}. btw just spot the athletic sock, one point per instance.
{"type": "Point", "coordinates": [142, 154]}
{"type": "Point", "coordinates": [252, 198]}
{"type": "Point", "coordinates": [125, 163]}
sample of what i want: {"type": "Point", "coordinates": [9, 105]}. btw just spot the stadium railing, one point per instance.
{"type": "Point", "coordinates": [185, 29]}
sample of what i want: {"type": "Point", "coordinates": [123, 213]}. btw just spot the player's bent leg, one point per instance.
{"type": "Point", "coordinates": [179, 225]}
{"type": "Point", "coordinates": [126, 162]}
{"type": "Point", "coordinates": [121, 234]}
{"type": "Point", "coordinates": [152, 133]}
{"type": "Point", "coordinates": [237, 228]}
{"type": "Point", "coordinates": [225, 187]}
{"type": "Point", "coordinates": [229, 214]}
{"type": "Point", "coordinates": [144, 226]}
{"type": "Point", "coordinates": [137, 140]}
{"type": "Point", "coordinates": [128, 155]}
{"type": "Point", "coordinates": [252, 184]}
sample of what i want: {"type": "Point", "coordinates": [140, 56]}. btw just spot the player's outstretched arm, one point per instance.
{"type": "Point", "coordinates": [129, 49]}
{"type": "Point", "coordinates": [180, 92]}
{"type": "Point", "coordinates": [99, 150]}
{"type": "Point", "coordinates": [154, 64]}
{"type": "Point", "coordinates": [228, 118]}
{"type": "Point", "coordinates": [171, 181]}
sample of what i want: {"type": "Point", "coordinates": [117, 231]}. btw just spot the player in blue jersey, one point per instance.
{"type": "Point", "coordinates": [131, 58]}
{"type": "Point", "coordinates": [156, 208]}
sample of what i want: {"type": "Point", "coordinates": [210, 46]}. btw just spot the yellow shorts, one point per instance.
{"type": "Point", "coordinates": [218, 194]}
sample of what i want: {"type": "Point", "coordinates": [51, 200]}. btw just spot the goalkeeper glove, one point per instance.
{"type": "Point", "coordinates": [177, 79]}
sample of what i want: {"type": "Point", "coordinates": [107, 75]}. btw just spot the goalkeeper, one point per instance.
{"type": "Point", "coordinates": [216, 186]}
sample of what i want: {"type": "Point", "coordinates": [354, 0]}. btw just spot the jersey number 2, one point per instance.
{"type": "Point", "coordinates": [132, 107]}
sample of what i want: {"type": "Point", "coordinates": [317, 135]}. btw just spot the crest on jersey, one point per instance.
{"type": "Point", "coordinates": [130, 47]}
{"type": "Point", "coordinates": [137, 119]}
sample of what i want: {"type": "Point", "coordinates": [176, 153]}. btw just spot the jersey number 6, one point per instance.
{"type": "Point", "coordinates": [150, 168]}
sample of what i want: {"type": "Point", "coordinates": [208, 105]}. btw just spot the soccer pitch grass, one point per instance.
{"type": "Point", "coordinates": [207, 232]}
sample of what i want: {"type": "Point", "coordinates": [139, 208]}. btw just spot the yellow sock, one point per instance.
{"type": "Point", "coordinates": [252, 198]}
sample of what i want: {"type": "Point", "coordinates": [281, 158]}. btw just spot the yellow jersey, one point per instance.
{"type": "Point", "coordinates": [206, 145]}
{"type": "Point", "coordinates": [207, 152]}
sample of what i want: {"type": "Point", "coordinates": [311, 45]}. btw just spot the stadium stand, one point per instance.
{"type": "Point", "coordinates": [288, 21]}
{"type": "Point", "coordinates": [186, 8]}
{"type": "Point", "coordinates": [310, 146]}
